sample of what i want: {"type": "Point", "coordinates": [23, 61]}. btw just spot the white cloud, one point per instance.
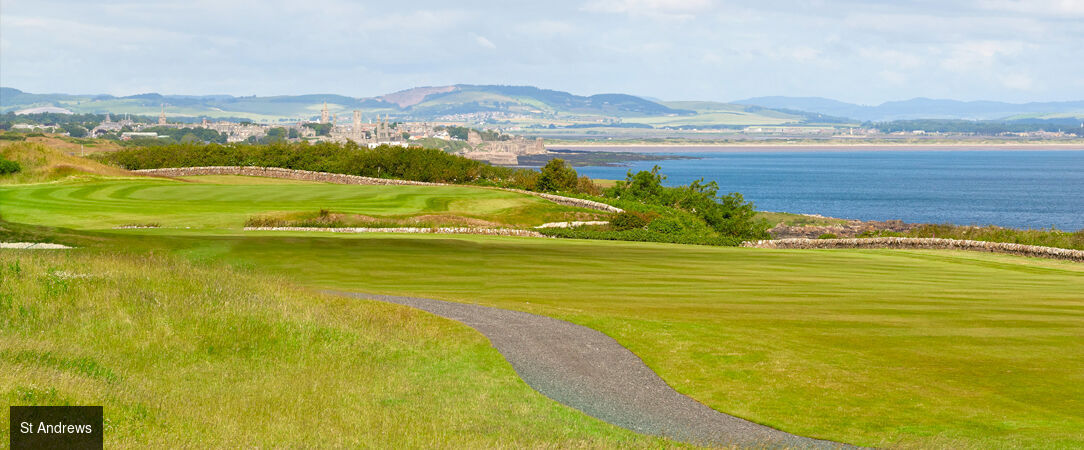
{"type": "Point", "coordinates": [1048, 8]}
{"type": "Point", "coordinates": [854, 50]}
{"type": "Point", "coordinates": [482, 41]}
{"type": "Point", "coordinates": [1018, 81]}
{"type": "Point", "coordinates": [657, 9]}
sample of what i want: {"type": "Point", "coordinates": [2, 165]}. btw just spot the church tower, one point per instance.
{"type": "Point", "coordinates": [324, 114]}
{"type": "Point", "coordinates": [356, 130]}
{"type": "Point", "coordinates": [162, 116]}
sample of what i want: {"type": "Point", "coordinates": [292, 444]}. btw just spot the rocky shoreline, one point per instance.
{"type": "Point", "coordinates": [848, 229]}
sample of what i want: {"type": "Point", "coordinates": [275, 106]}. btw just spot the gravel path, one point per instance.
{"type": "Point", "coordinates": [33, 246]}
{"type": "Point", "coordinates": [589, 371]}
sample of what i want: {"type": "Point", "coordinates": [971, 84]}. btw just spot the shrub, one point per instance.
{"type": "Point", "coordinates": [12, 137]}
{"type": "Point", "coordinates": [628, 220]}
{"type": "Point", "coordinates": [828, 236]}
{"type": "Point", "coordinates": [8, 166]}
{"type": "Point", "coordinates": [728, 214]}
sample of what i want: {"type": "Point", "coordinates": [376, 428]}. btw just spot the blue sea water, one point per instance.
{"type": "Point", "coordinates": [1023, 189]}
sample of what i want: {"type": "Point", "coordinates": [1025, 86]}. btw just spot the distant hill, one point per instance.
{"type": "Point", "coordinates": [425, 103]}
{"type": "Point", "coordinates": [531, 106]}
{"type": "Point", "coordinates": [923, 108]}
{"type": "Point", "coordinates": [512, 105]}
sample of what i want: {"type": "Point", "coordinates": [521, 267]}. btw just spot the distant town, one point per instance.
{"type": "Point", "coordinates": [497, 149]}
{"type": "Point", "coordinates": [506, 132]}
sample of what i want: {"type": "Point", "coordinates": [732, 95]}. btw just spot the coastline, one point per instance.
{"type": "Point", "coordinates": [819, 147]}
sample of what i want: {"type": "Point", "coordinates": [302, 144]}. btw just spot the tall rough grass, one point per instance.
{"type": "Point", "coordinates": [186, 354]}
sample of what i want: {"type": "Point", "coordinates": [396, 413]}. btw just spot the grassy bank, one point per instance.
{"type": "Point", "coordinates": [1044, 238]}
{"type": "Point", "coordinates": [191, 355]}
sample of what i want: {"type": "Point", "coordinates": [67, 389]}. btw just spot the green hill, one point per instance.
{"type": "Point", "coordinates": [511, 105]}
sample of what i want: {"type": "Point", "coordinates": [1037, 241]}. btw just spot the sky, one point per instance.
{"type": "Point", "coordinates": [857, 51]}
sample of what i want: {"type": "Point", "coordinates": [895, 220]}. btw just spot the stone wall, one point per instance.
{"type": "Point", "coordinates": [569, 201]}
{"type": "Point", "coordinates": [922, 243]}
{"type": "Point", "coordinates": [411, 230]}
{"type": "Point", "coordinates": [337, 178]}
{"type": "Point", "coordinates": [277, 172]}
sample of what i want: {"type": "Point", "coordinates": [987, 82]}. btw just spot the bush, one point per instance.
{"type": "Point", "coordinates": [729, 214]}
{"type": "Point", "coordinates": [8, 166]}
{"type": "Point", "coordinates": [12, 137]}
{"type": "Point", "coordinates": [828, 236]}
{"type": "Point", "coordinates": [628, 220]}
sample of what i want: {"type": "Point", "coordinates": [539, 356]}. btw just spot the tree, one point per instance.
{"type": "Point", "coordinates": [643, 186]}
{"type": "Point", "coordinates": [557, 175]}
{"type": "Point", "coordinates": [276, 134]}
{"type": "Point", "coordinates": [74, 130]}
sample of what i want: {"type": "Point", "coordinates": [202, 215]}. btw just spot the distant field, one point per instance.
{"type": "Point", "coordinates": [713, 118]}
{"type": "Point", "coordinates": [226, 202]}
{"type": "Point", "coordinates": [186, 355]}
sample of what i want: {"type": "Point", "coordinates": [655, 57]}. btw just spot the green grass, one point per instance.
{"type": "Point", "coordinates": [227, 203]}
{"type": "Point", "coordinates": [191, 355]}
{"type": "Point", "coordinates": [882, 348]}
{"type": "Point", "coordinates": [870, 347]}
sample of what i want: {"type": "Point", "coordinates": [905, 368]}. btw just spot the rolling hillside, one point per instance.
{"type": "Point", "coordinates": [521, 105]}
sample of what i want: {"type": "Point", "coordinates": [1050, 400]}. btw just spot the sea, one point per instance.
{"type": "Point", "coordinates": [1008, 188]}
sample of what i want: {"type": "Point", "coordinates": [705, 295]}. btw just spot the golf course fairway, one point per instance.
{"type": "Point", "coordinates": [868, 347]}
{"type": "Point", "coordinates": [226, 202]}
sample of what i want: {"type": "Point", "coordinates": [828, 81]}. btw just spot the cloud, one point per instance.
{"type": "Point", "coordinates": [1018, 81]}
{"type": "Point", "coordinates": [485, 43]}
{"type": "Point", "coordinates": [854, 50]}
{"type": "Point", "coordinates": [658, 9]}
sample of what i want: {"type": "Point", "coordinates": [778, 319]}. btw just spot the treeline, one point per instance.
{"type": "Point", "coordinates": [462, 133]}
{"type": "Point", "coordinates": [987, 127]}
{"type": "Point", "coordinates": [189, 134]}
{"type": "Point", "coordinates": [413, 163]}
{"type": "Point", "coordinates": [76, 125]}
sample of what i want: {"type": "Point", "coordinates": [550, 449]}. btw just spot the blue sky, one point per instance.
{"type": "Point", "coordinates": [858, 51]}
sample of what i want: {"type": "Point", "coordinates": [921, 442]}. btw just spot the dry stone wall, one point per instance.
{"type": "Point", "coordinates": [338, 178]}
{"type": "Point", "coordinates": [411, 230]}
{"type": "Point", "coordinates": [922, 243]}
